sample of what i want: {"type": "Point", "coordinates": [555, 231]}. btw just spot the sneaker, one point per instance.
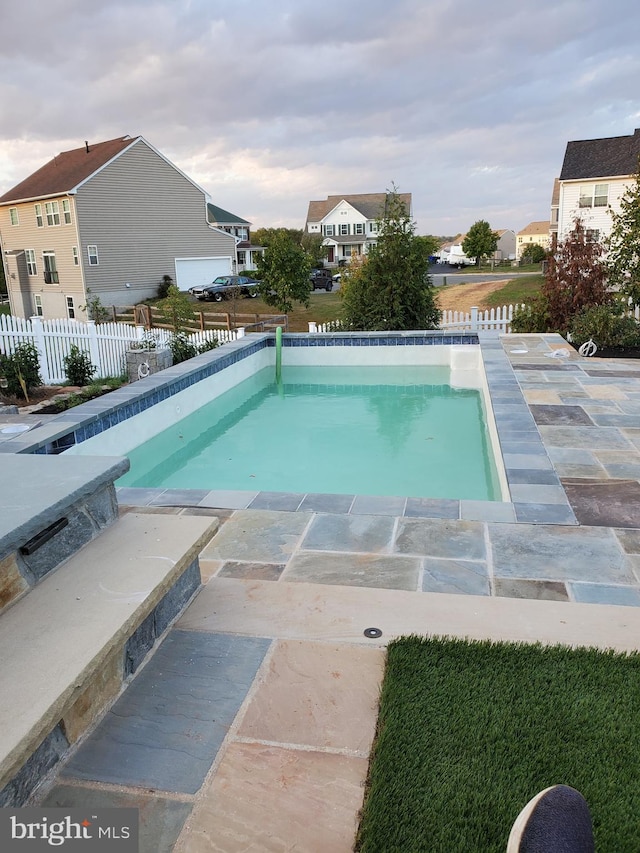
{"type": "Point", "coordinates": [557, 820]}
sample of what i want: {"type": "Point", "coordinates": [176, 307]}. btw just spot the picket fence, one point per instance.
{"type": "Point", "coordinates": [494, 319]}
{"type": "Point", "coordinates": [106, 343]}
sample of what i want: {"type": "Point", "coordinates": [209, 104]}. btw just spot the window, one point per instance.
{"type": "Point", "coordinates": [13, 216]}
{"type": "Point", "coordinates": [52, 209]}
{"type": "Point", "coordinates": [329, 230]}
{"type": "Point", "coordinates": [66, 211]}
{"type": "Point", "coordinates": [71, 311]}
{"type": "Point", "coordinates": [242, 258]}
{"type": "Point", "coordinates": [601, 195]}
{"type": "Point", "coordinates": [76, 259]}
{"type": "Point", "coordinates": [358, 228]}
{"type": "Point", "coordinates": [345, 229]}
{"type": "Point", "coordinates": [37, 301]}
{"type": "Point", "coordinates": [373, 228]}
{"type": "Point", "coordinates": [39, 219]}
{"type": "Point", "coordinates": [31, 261]}
{"type": "Point", "coordinates": [596, 195]}
{"type": "Point", "coordinates": [92, 252]}
{"type": "Point", "coordinates": [50, 268]}
{"type": "Point", "coordinates": [592, 235]}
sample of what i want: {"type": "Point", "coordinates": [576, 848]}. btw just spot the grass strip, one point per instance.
{"type": "Point", "coordinates": [469, 731]}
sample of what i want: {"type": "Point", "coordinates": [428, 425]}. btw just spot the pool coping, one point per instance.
{"type": "Point", "coordinates": [537, 495]}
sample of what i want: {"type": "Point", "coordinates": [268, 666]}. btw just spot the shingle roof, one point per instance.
{"type": "Point", "coordinates": [535, 228]}
{"type": "Point", "coordinates": [601, 158]}
{"type": "Point", "coordinates": [555, 193]}
{"type": "Point", "coordinates": [67, 170]}
{"type": "Point", "coordinates": [370, 205]}
{"type": "Point", "coordinates": [219, 216]}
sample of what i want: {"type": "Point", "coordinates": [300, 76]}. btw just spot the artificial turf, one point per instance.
{"type": "Point", "coordinates": [469, 731]}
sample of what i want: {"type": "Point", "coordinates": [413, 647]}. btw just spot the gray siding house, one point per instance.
{"type": "Point", "coordinates": [106, 220]}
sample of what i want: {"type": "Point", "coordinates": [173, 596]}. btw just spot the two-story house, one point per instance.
{"type": "Point", "coordinates": [349, 223]}
{"type": "Point", "coordinates": [247, 254]}
{"type": "Point", "coordinates": [535, 233]}
{"type": "Point", "coordinates": [595, 175]}
{"type": "Point", "coordinates": [106, 220]}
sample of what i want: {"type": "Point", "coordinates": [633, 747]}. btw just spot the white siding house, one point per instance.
{"type": "Point", "coordinates": [349, 224]}
{"type": "Point", "coordinates": [595, 175]}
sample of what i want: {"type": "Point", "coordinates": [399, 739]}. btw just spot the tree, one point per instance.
{"type": "Point", "coordinates": [176, 309]}
{"type": "Point", "coordinates": [312, 244]}
{"type": "Point", "coordinates": [431, 244]}
{"type": "Point", "coordinates": [480, 241]}
{"type": "Point", "coordinates": [265, 236]}
{"type": "Point", "coordinates": [575, 278]}
{"type": "Point", "coordinates": [623, 261]}
{"type": "Point", "coordinates": [390, 288]}
{"type": "Point", "coordinates": [283, 270]}
{"type": "Point", "coordinates": [533, 253]}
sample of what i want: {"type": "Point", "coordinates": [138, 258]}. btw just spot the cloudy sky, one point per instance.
{"type": "Point", "coordinates": [268, 104]}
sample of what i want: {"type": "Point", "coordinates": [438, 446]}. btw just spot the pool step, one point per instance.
{"type": "Point", "coordinates": [68, 645]}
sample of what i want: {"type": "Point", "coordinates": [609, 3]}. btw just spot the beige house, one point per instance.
{"type": "Point", "coordinates": [106, 220]}
{"type": "Point", "coordinates": [348, 223]}
{"type": "Point", "coordinates": [535, 233]}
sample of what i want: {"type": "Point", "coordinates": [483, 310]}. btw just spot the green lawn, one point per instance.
{"type": "Point", "coordinates": [4, 308]}
{"type": "Point", "coordinates": [515, 292]}
{"type": "Point", "coordinates": [468, 732]}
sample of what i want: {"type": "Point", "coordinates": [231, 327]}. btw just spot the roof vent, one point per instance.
{"type": "Point", "coordinates": [86, 145]}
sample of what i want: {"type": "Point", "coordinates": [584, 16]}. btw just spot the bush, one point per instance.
{"type": "Point", "coordinates": [183, 349]}
{"type": "Point", "coordinates": [530, 318]}
{"type": "Point", "coordinates": [606, 326]}
{"type": "Point", "coordinates": [78, 367]}
{"type": "Point", "coordinates": [21, 369]}
{"type": "Point", "coordinates": [533, 254]}
{"type": "Point", "coordinates": [163, 287]}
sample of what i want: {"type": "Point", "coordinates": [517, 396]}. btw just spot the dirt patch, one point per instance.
{"type": "Point", "coordinates": [462, 297]}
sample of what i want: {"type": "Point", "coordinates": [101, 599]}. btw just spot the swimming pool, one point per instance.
{"type": "Point", "coordinates": [416, 438]}
{"type": "Point", "coordinates": [343, 430]}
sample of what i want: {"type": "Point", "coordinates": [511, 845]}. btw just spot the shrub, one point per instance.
{"type": "Point", "coordinates": [207, 346]}
{"type": "Point", "coordinates": [533, 317]}
{"type": "Point", "coordinates": [163, 287]}
{"type": "Point", "coordinates": [181, 347]}
{"type": "Point", "coordinates": [78, 367]}
{"type": "Point", "coordinates": [533, 254]}
{"type": "Point", "coordinates": [606, 326]}
{"type": "Point", "coordinates": [21, 369]}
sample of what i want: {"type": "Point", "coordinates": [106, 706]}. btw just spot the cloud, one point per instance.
{"type": "Point", "coordinates": [468, 106]}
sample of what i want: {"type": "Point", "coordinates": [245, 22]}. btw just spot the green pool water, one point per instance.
{"type": "Point", "coordinates": [357, 430]}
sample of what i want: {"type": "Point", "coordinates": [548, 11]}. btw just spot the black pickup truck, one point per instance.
{"type": "Point", "coordinates": [321, 280]}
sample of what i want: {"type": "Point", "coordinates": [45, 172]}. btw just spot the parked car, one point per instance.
{"type": "Point", "coordinates": [321, 280]}
{"type": "Point", "coordinates": [224, 286]}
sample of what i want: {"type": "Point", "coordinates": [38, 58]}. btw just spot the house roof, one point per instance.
{"type": "Point", "coordinates": [219, 216]}
{"type": "Point", "coordinates": [370, 205]}
{"type": "Point", "coordinates": [601, 158]}
{"type": "Point", "coordinates": [66, 171]}
{"type": "Point", "coordinates": [541, 227]}
{"type": "Point", "coordinates": [555, 194]}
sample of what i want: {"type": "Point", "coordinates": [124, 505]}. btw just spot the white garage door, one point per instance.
{"type": "Point", "coordinates": [193, 271]}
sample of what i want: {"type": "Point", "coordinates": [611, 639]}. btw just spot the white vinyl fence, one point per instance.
{"type": "Point", "coordinates": [495, 319]}
{"type": "Point", "coordinates": [106, 343]}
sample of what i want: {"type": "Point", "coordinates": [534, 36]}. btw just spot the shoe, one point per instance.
{"type": "Point", "coordinates": [557, 820]}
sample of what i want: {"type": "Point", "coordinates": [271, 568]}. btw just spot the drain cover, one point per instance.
{"type": "Point", "coordinates": [372, 633]}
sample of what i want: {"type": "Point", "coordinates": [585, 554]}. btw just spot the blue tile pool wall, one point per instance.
{"type": "Point", "coordinates": [92, 418]}
{"type": "Point", "coordinates": [536, 493]}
